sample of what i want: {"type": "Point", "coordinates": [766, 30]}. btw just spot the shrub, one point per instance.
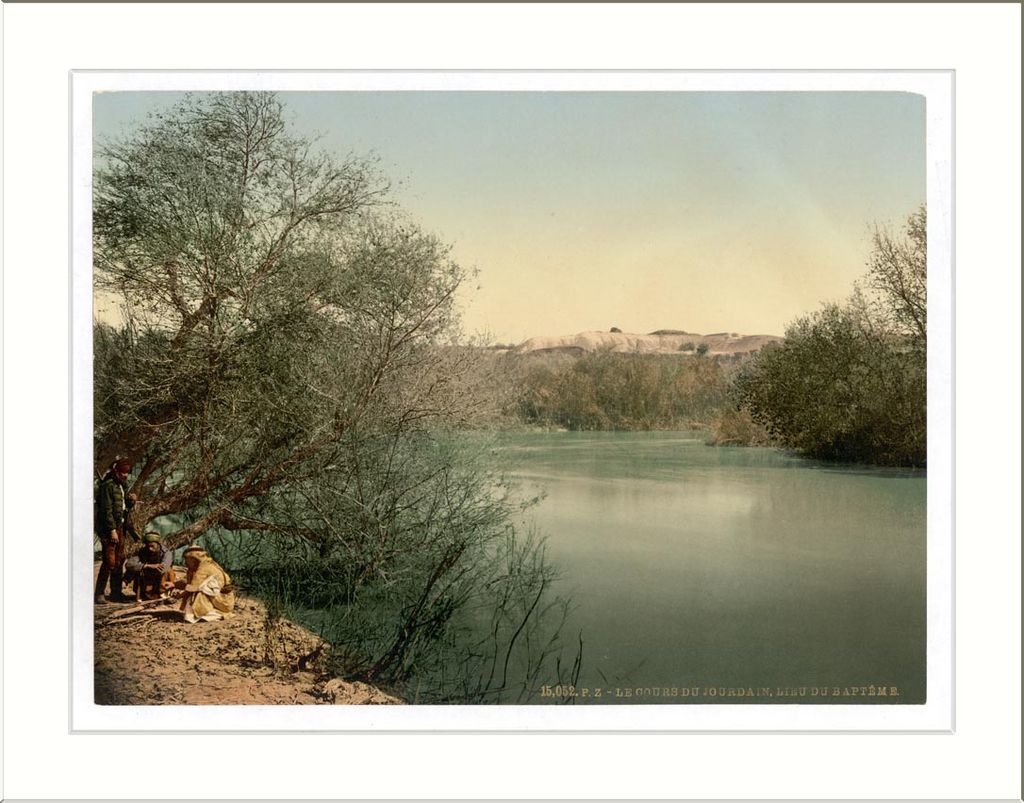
{"type": "Point", "coordinates": [838, 390]}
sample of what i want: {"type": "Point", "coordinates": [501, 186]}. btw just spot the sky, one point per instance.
{"type": "Point", "coordinates": [701, 211]}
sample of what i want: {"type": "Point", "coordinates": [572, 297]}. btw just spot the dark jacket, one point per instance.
{"type": "Point", "coordinates": [111, 506]}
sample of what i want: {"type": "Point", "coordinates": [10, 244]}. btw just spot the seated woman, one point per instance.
{"type": "Point", "coordinates": [209, 594]}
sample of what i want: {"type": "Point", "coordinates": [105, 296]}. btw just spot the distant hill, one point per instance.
{"type": "Point", "coordinates": [663, 341]}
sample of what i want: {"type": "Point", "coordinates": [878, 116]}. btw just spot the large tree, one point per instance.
{"type": "Point", "coordinates": [288, 377]}
{"type": "Point", "coordinates": [271, 306]}
{"type": "Point", "coordinates": [898, 276]}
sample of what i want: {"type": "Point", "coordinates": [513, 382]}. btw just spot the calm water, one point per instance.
{"type": "Point", "coordinates": [695, 566]}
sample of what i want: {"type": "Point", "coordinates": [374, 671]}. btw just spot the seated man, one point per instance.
{"type": "Point", "coordinates": [146, 569]}
{"type": "Point", "coordinates": [209, 594]}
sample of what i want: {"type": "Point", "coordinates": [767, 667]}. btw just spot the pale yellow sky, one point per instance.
{"type": "Point", "coordinates": [698, 211]}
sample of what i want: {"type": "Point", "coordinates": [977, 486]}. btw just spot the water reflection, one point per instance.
{"type": "Point", "coordinates": [699, 566]}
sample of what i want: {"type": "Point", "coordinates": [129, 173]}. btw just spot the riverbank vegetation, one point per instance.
{"type": "Point", "coordinates": [849, 382]}
{"type": "Point", "coordinates": [288, 374]}
{"type": "Point", "coordinates": [611, 391]}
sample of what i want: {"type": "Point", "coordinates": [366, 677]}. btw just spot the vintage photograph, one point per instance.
{"type": "Point", "coordinates": [497, 398]}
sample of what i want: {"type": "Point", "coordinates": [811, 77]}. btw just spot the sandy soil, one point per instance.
{"type": "Point", "coordinates": [153, 657]}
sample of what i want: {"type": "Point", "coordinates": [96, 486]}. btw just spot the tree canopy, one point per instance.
{"type": "Point", "coordinates": [272, 305]}
{"type": "Point", "coordinates": [288, 355]}
{"type": "Point", "coordinates": [849, 381]}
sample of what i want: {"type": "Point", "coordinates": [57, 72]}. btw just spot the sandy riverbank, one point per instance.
{"type": "Point", "coordinates": [153, 657]}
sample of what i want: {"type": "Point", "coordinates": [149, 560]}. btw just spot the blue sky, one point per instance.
{"type": "Point", "coordinates": [703, 211]}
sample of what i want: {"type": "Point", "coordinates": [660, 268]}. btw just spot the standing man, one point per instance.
{"type": "Point", "coordinates": [111, 525]}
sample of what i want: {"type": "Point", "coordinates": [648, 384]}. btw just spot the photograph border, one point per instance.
{"type": "Point", "coordinates": [981, 42]}
{"type": "Point", "coordinates": [935, 716]}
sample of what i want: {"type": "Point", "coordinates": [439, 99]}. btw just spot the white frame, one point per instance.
{"type": "Point", "coordinates": [936, 715]}
{"type": "Point", "coordinates": [42, 759]}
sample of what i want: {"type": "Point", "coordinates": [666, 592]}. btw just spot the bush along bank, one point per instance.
{"type": "Point", "coordinates": [612, 391]}
{"type": "Point", "coordinates": [849, 383]}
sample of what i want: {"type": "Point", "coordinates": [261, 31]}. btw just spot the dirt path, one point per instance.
{"type": "Point", "coordinates": [154, 657]}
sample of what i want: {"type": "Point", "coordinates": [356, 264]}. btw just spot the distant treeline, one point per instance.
{"type": "Point", "coordinates": [605, 390]}
{"type": "Point", "coordinates": [848, 383]}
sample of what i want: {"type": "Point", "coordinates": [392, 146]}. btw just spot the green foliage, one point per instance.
{"type": "Point", "coordinates": [270, 309]}
{"type": "Point", "coordinates": [610, 391]}
{"type": "Point", "coordinates": [849, 382]}
{"type": "Point", "coordinates": [735, 426]}
{"type": "Point", "coordinates": [898, 275]}
{"type": "Point", "coordinates": [420, 580]}
{"type": "Point", "coordinates": [286, 376]}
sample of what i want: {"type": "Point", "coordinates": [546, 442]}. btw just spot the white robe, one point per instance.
{"type": "Point", "coordinates": [210, 587]}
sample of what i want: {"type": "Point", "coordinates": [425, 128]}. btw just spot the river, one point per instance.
{"type": "Point", "coordinates": [730, 570]}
